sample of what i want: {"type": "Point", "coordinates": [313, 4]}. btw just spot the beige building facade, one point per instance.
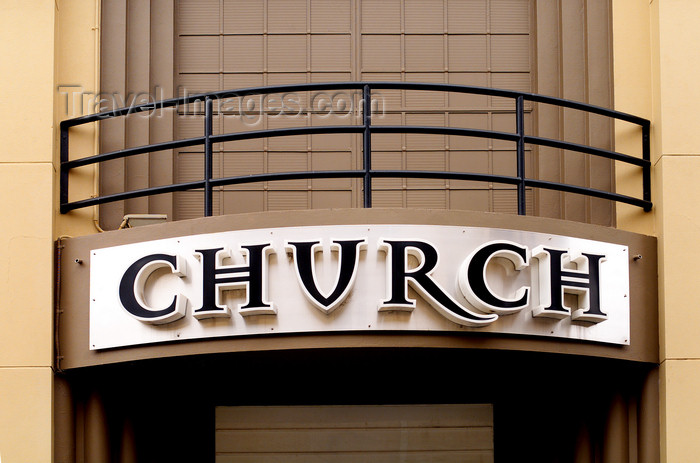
{"type": "Point", "coordinates": [62, 401]}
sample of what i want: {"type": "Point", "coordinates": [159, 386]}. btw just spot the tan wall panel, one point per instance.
{"type": "Point", "coordinates": [281, 78]}
{"type": "Point", "coordinates": [466, 100]}
{"type": "Point", "coordinates": [243, 123]}
{"type": "Point", "coordinates": [468, 53]}
{"type": "Point", "coordinates": [476, 199]}
{"type": "Point", "coordinates": [332, 161]}
{"type": "Point", "coordinates": [387, 161]}
{"type": "Point", "coordinates": [382, 16]}
{"type": "Point", "coordinates": [467, 17]}
{"type": "Point", "coordinates": [331, 76]}
{"type": "Point", "coordinates": [237, 202]}
{"type": "Point", "coordinates": [243, 163]}
{"type": "Point", "coordinates": [388, 198]}
{"type": "Point", "coordinates": [421, 141]}
{"type": "Point", "coordinates": [368, 416]}
{"type": "Point", "coordinates": [192, 84]}
{"type": "Point", "coordinates": [287, 200]}
{"type": "Point", "coordinates": [509, 17]}
{"type": "Point", "coordinates": [244, 53]}
{"type": "Point", "coordinates": [424, 53]}
{"type": "Point", "coordinates": [471, 456]}
{"type": "Point", "coordinates": [478, 162]}
{"type": "Point", "coordinates": [342, 441]}
{"type": "Point", "coordinates": [510, 53]}
{"type": "Point", "coordinates": [286, 53]}
{"type": "Point", "coordinates": [242, 16]}
{"type": "Point", "coordinates": [331, 199]}
{"type": "Point", "coordinates": [239, 80]}
{"type": "Point", "coordinates": [331, 53]}
{"type": "Point", "coordinates": [424, 16]}
{"type": "Point", "coordinates": [331, 16]}
{"type": "Point", "coordinates": [203, 16]}
{"type": "Point", "coordinates": [426, 199]}
{"type": "Point", "coordinates": [199, 54]}
{"type": "Point", "coordinates": [287, 143]}
{"type": "Point", "coordinates": [287, 162]}
{"type": "Point", "coordinates": [399, 432]}
{"type": "Point", "coordinates": [428, 161]}
{"type": "Point", "coordinates": [381, 53]}
{"type": "Point", "coordinates": [469, 121]}
{"type": "Point", "coordinates": [286, 16]}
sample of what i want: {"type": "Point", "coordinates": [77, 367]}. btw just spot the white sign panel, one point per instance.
{"type": "Point", "coordinates": [348, 278]}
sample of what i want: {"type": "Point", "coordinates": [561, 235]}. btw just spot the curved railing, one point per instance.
{"type": "Point", "coordinates": [367, 173]}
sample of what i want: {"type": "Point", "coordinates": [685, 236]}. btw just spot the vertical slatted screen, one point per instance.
{"type": "Point", "coordinates": [557, 47]}
{"type": "Point", "coordinates": [574, 61]}
{"type": "Point", "coordinates": [344, 434]}
{"type": "Point", "coordinates": [137, 61]}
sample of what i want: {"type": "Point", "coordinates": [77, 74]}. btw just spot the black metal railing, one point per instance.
{"type": "Point", "coordinates": [367, 173]}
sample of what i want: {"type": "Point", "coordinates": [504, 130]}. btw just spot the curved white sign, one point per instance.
{"type": "Point", "coordinates": [359, 278]}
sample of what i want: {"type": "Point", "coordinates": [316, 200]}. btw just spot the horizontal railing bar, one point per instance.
{"type": "Point", "coordinates": [285, 132]}
{"type": "Point", "coordinates": [200, 97]}
{"type": "Point", "coordinates": [278, 176]}
{"type": "Point", "coordinates": [156, 190]}
{"type": "Point", "coordinates": [353, 129]}
{"type": "Point", "coordinates": [646, 205]}
{"type": "Point", "coordinates": [167, 103]}
{"type": "Point", "coordinates": [276, 112]}
{"type": "Point", "coordinates": [355, 174]}
{"type": "Point", "coordinates": [133, 151]}
{"type": "Point", "coordinates": [426, 174]}
{"type": "Point", "coordinates": [614, 155]}
{"type": "Point", "coordinates": [291, 131]}
{"type": "Point", "coordinates": [444, 131]}
{"type": "Point", "coordinates": [350, 129]}
{"type": "Point", "coordinates": [587, 107]}
{"type": "Point", "coordinates": [300, 175]}
{"type": "Point", "coordinates": [510, 94]}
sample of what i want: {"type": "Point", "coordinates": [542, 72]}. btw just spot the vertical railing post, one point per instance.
{"type": "Point", "coordinates": [646, 170]}
{"type": "Point", "coordinates": [520, 127]}
{"type": "Point", "coordinates": [63, 178]}
{"type": "Point", "coordinates": [208, 161]}
{"type": "Point", "coordinates": [367, 144]}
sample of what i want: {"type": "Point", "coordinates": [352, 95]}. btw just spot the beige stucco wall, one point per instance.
{"type": "Point", "coordinates": [77, 81]}
{"type": "Point", "coordinates": [656, 69]}
{"type": "Point", "coordinates": [43, 44]}
{"type": "Point", "coordinates": [27, 35]}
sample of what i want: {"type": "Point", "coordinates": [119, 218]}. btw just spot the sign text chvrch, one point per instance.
{"type": "Point", "coordinates": [359, 278]}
